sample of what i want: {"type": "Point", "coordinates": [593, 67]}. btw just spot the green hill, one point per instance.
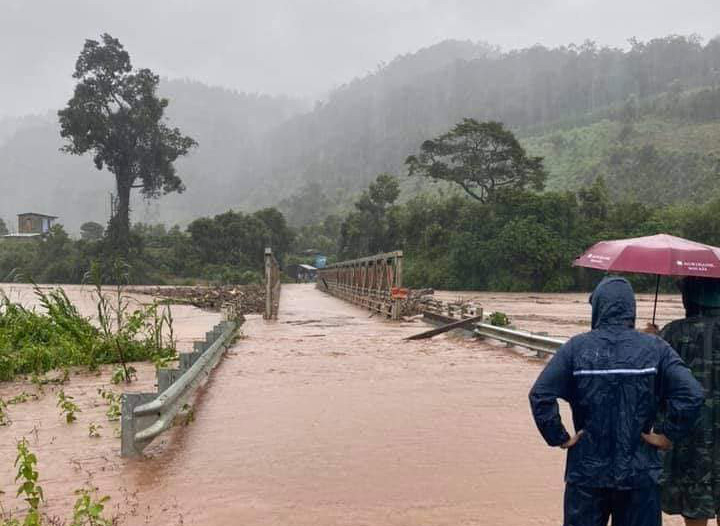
{"type": "Point", "coordinates": [644, 117]}
{"type": "Point", "coordinates": [661, 150]}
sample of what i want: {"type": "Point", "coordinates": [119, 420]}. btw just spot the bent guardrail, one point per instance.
{"type": "Point", "coordinates": [272, 286]}
{"type": "Point", "coordinates": [369, 282]}
{"type": "Point", "coordinates": [542, 345]}
{"type": "Point", "coordinates": [147, 415]}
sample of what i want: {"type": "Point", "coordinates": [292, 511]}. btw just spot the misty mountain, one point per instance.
{"type": "Point", "coordinates": [372, 124]}
{"type": "Point", "coordinates": [589, 110]}
{"type": "Point", "coordinates": [365, 127]}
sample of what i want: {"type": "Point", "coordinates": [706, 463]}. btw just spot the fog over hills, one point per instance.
{"type": "Point", "coordinates": [257, 150]}
{"type": "Point", "coordinates": [233, 167]}
{"type": "Point", "coordinates": [228, 125]}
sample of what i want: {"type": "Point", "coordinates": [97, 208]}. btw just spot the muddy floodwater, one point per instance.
{"type": "Point", "coordinates": [325, 417]}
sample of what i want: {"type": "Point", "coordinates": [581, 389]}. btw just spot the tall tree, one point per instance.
{"type": "Point", "coordinates": [481, 157]}
{"type": "Point", "coordinates": [371, 228]}
{"type": "Point", "coordinates": [3, 228]}
{"type": "Point", "coordinates": [116, 114]}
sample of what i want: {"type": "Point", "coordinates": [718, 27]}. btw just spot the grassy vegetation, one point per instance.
{"type": "Point", "coordinates": [650, 159]}
{"type": "Point", "coordinates": [58, 336]}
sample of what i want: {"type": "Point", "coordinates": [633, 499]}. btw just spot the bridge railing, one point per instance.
{"type": "Point", "coordinates": [146, 415]}
{"type": "Point", "coordinates": [272, 286]}
{"type": "Point", "coordinates": [373, 282]}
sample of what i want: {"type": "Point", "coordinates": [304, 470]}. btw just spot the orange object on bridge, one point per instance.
{"type": "Point", "coordinates": [399, 293]}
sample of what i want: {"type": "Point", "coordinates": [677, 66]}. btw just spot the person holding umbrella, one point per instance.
{"type": "Point", "coordinates": [615, 380]}
{"type": "Point", "coordinates": [691, 481]}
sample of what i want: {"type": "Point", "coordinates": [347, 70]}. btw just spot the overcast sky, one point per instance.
{"type": "Point", "coordinates": [300, 47]}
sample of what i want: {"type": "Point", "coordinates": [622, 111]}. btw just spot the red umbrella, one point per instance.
{"type": "Point", "coordinates": [661, 255]}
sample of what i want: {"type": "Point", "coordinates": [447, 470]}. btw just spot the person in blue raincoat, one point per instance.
{"type": "Point", "coordinates": [616, 380]}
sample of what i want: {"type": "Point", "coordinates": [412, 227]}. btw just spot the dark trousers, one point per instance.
{"type": "Point", "coordinates": [594, 506]}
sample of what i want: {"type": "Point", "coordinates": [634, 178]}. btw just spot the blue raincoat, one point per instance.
{"type": "Point", "coordinates": [616, 381]}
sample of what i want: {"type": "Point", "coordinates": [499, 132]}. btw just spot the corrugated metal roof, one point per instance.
{"type": "Point", "coordinates": [36, 214]}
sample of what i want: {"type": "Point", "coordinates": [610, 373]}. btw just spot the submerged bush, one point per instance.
{"type": "Point", "coordinates": [37, 342]}
{"type": "Point", "coordinates": [499, 319]}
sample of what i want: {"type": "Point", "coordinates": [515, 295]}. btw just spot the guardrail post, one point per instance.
{"type": "Point", "coordinates": [166, 377]}
{"type": "Point", "coordinates": [187, 359]}
{"type": "Point", "coordinates": [130, 424]}
{"type": "Point", "coordinates": [540, 353]}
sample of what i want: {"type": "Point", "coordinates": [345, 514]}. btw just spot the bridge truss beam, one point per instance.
{"type": "Point", "coordinates": [371, 282]}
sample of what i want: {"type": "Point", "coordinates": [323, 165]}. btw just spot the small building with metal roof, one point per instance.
{"type": "Point", "coordinates": [34, 223]}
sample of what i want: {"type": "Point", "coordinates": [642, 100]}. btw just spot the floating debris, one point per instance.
{"type": "Point", "coordinates": [415, 302]}
{"type": "Point", "coordinates": [244, 299]}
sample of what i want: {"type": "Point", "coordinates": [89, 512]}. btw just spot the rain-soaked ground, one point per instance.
{"type": "Point", "coordinates": [326, 417]}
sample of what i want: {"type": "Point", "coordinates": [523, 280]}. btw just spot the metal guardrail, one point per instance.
{"type": "Point", "coordinates": [543, 345]}
{"type": "Point", "coordinates": [367, 282]}
{"type": "Point", "coordinates": [147, 415]}
{"type": "Point", "coordinates": [272, 286]}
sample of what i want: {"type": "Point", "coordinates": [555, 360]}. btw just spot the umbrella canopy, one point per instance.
{"type": "Point", "coordinates": [661, 254]}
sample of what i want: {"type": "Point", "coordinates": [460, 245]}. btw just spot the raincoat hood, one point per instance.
{"type": "Point", "coordinates": [613, 303]}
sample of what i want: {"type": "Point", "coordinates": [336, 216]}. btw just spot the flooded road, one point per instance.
{"type": "Point", "coordinates": [326, 417]}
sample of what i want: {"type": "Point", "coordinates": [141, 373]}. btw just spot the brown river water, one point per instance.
{"type": "Point", "coordinates": [323, 417]}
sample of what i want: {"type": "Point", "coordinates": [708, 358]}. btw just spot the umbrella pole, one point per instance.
{"type": "Point", "coordinates": [657, 289]}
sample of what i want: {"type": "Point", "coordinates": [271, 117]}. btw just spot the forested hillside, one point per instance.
{"type": "Point", "coordinates": [646, 118]}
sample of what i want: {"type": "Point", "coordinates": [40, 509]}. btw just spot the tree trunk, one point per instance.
{"type": "Point", "coordinates": [120, 222]}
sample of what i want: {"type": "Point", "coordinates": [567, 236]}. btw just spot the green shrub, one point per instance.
{"type": "Point", "coordinates": [33, 342]}
{"type": "Point", "coordinates": [499, 319]}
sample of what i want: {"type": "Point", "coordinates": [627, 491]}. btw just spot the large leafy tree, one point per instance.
{"type": "Point", "coordinates": [371, 227]}
{"type": "Point", "coordinates": [481, 157]}
{"type": "Point", "coordinates": [238, 239]}
{"type": "Point", "coordinates": [116, 114]}
{"type": "Point", "coordinates": [279, 235]}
